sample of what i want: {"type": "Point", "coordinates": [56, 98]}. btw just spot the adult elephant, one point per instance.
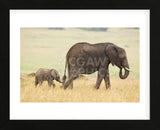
{"type": "Point", "coordinates": [86, 58]}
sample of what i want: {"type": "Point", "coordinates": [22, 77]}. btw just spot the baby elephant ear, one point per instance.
{"type": "Point", "coordinates": [111, 53]}
{"type": "Point", "coordinates": [53, 73]}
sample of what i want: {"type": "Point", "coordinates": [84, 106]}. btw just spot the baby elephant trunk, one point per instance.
{"type": "Point", "coordinates": [59, 81]}
{"type": "Point", "coordinates": [64, 79]}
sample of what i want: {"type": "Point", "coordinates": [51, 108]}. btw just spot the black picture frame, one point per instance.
{"type": "Point", "coordinates": [6, 123]}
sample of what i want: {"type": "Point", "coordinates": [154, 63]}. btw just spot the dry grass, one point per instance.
{"type": "Point", "coordinates": [83, 91]}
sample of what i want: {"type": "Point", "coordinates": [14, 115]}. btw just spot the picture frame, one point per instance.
{"type": "Point", "coordinates": [129, 108]}
{"type": "Point", "coordinates": [5, 109]}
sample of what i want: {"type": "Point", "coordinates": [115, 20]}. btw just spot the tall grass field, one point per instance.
{"type": "Point", "coordinates": [47, 48]}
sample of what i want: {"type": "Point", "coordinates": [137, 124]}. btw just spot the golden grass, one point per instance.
{"type": "Point", "coordinates": [83, 91]}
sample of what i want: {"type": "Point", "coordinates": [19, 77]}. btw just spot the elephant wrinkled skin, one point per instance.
{"type": "Point", "coordinates": [46, 75]}
{"type": "Point", "coordinates": [86, 58]}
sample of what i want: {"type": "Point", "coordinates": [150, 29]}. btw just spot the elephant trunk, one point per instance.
{"type": "Point", "coordinates": [59, 81]}
{"type": "Point", "coordinates": [125, 74]}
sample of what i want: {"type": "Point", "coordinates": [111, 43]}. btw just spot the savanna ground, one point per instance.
{"type": "Point", "coordinates": [47, 48]}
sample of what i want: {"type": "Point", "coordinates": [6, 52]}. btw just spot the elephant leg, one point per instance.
{"type": "Point", "coordinates": [107, 79]}
{"type": "Point", "coordinates": [99, 80]}
{"type": "Point", "coordinates": [71, 83]}
{"type": "Point", "coordinates": [70, 80]}
{"type": "Point", "coordinates": [101, 75]}
{"type": "Point", "coordinates": [40, 83]}
{"type": "Point", "coordinates": [36, 82]}
{"type": "Point", "coordinates": [53, 84]}
{"type": "Point", "coordinates": [49, 83]}
{"type": "Point", "coordinates": [72, 76]}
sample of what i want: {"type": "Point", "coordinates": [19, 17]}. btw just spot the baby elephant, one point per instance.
{"type": "Point", "coordinates": [46, 75]}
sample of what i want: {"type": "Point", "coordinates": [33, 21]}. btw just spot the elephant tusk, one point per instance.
{"type": "Point", "coordinates": [128, 69]}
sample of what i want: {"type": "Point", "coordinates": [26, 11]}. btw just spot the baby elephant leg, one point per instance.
{"type": "Point", "coordinates": [53, 84]}
{"type": "Point", "coordinates": [49, 83]}
{"type": "Point", "coordinates": [36, 82]}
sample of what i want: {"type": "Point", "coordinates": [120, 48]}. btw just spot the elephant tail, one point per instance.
{"type": "Point", "coordinates": [64, 77]}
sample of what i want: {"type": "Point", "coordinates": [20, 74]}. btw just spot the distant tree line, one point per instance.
{"type": "Point", "coordinates": [86, 29]}
{"type": "Point", "coordinates": [132, 28]}
{"type": "Point", "coordinates": [94, 29]}
{"type": "Point", "coordinates": [57, 28]}
{"type": "Point", "coordinates": [91, 29]}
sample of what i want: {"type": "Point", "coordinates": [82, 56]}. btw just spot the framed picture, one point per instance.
{"type": "Point", "coordinates": [79, 64]}
{"type": "Point", "coordinates": [47, 44]}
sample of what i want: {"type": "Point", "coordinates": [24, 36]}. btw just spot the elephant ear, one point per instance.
{"type": "Point", "coordinates": [112, 53]}
{"type": "Point", "coordinates": [53, 73]}
{"type": "Point", "coordinates": [121, 52]}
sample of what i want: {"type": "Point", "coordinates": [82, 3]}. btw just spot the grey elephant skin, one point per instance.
{"type": "Point", "coordinates": [86, 58]}
{"type": "Point", "coordinates": [46, 75]}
